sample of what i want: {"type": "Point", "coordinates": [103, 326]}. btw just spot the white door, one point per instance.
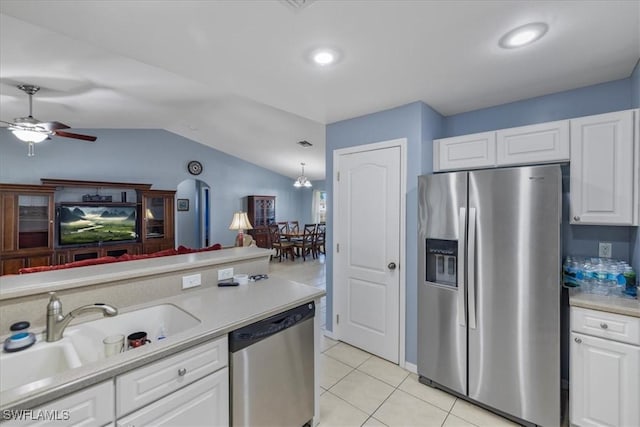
{"type": "Point", "coordinates": [605, 381]}
{"type": "Point", "coordinates": [367, 225]}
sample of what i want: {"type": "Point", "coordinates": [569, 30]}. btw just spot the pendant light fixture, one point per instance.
{"type": "Point", "coordinates": [302, 180]}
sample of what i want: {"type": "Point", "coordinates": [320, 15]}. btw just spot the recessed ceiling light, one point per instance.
{"type": "Point", "coordinates": [524, 35]}
{"type": "Point", "coordinates": [324, 56]}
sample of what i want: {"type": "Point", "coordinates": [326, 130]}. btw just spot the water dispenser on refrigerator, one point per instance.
{"type": "Point", "coordinates": [441, 262]}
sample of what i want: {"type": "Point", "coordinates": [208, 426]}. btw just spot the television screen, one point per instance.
{"type": "Point", "coordinates": [85, 224]}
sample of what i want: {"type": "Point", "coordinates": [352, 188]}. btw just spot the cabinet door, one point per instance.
{"type": "Point", "coordinates": [605, 382]}
{"type": "Point", "coordinates": [158, 220]}
{"type": "Point", "coordinates": [203, 403]}
{"type": "Point", "coordinates": [465, 152]}
{"type": "Point", "coordinates": [90, 407]}
{"type": "Point", "coordinates": [540, 143]}
{"type": "Point", "coordinates": [602, 170]}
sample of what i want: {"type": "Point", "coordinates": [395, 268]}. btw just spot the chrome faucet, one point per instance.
{"type": "Point", "coordinates": [57, 322]}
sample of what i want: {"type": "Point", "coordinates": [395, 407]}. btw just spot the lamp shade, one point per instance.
{"type": "Point", "coordinates": [30, 135]}
{"type": "Point", "coordinates": [240, 221]}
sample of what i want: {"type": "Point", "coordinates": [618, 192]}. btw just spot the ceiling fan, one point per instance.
{"type": "Point", "coordinates": [33, 131]}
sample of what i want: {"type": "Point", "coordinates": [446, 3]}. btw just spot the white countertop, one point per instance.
{"type": "Point", "coordinates": [220, 310]}
{"type": "Point", "coordinates": [14, 286]}
{"type": "Point", "coordinates": [611, 304]}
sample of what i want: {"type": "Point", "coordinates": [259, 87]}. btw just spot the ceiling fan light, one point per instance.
{"type": "Point", "coordinates": [29, 135]}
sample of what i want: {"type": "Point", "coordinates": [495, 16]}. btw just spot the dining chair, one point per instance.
{"type": "Point", "coordinates": [294, 227]}
{"type": "Point", "coordinates": [318, 244]}
{"type": "Point", "coordinates": [305, 244]}
{"type": "Point", "coordinates": [282, 248]}
{"type": "Point", "coordinates": [283, 229]}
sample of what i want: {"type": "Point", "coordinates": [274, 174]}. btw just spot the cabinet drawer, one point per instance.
{"type": "Point", "coordinates": [145, 385]}
{"type": "Point", "coordinates": [92, 406]}
{"type": "Point", "coordinates": [607, 325]}
{"type": "Point", "coordinates": [203, 403]}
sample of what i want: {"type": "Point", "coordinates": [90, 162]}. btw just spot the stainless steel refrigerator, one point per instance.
{"type": "Point", "coordinates": [489, 288]}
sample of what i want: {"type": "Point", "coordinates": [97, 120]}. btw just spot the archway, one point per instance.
{"type": "Point", "coordinates": [193, 226]}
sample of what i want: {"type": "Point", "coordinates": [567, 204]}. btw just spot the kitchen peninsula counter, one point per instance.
{"type": "Point", "coordinates": [611, 304]}
{"type": "Point", "coordinates": [219, 309]}
{"type": "Point", "coordinates": [13, 286]}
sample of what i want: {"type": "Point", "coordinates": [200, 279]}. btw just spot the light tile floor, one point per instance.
{"type": "Point", "coordinates": [360, 389]}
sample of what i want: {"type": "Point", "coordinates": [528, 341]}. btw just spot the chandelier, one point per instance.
{"type": "Point", "coordinates": [302, 180]}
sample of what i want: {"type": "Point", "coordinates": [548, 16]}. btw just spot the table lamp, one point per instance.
{"type": "Point", "coordinates": [240, 222]}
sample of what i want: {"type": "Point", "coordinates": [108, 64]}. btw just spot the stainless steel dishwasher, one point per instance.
{"type": "Point", "coordinates": [272, 370]}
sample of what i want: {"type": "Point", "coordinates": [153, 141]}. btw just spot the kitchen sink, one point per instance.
{"type": "Point", "coordinates": [159, 321]}
{"type": "Point", "coordinates": [42, 360]}
{"type": "Point", "coordinates": [82, 343]}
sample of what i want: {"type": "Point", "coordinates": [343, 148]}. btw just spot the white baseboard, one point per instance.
{"type": "Point", "coordinates": [411, 367]}
{"type": "Point", "coordinates": [329, 334]}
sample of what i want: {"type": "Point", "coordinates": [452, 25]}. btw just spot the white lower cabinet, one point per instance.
{"type": "Point", "coordinates": [90, 407]}
{"type": "Point", "coordinates": [605, 380]}
{"type": "Point", "coordinates": [203, 403]}
{"type": "Point", "coordinates": [190, 388]}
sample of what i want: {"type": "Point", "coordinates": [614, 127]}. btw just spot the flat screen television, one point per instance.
{"type": "Point", "coordinates": [82, 224]}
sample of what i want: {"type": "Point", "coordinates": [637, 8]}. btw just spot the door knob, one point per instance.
{"type": "Point", "coordinates": [392, 266]}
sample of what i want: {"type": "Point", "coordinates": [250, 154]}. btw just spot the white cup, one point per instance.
{"type": "Point", "coordinates": [242, 279]}
{"type": "Point", "coordinates": [113, 345]}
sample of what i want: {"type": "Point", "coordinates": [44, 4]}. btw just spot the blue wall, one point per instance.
{"type": "Point", "coordinates": [154, 157]}
{"type": "Point", "coordinates": [418, 123]}
{"type": "Point", "coordinates": [597, 99]}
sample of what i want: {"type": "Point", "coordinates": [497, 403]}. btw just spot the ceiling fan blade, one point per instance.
{"type": "Point", "coordinates": [65, 134]}
{"type": "Point", "coordinates": [51, 126]}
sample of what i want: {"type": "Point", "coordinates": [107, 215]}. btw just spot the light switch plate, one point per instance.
{"type": "Point", "coordinates": [225, 273]}
{"type": "Point", "coordinates": [191, 281]}
{"type": "Point", "coordinates": [604, 250]}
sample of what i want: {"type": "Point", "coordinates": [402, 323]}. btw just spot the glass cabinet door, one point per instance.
{"type": "Point", "coordinates": [33, 221]}
{"type": "Point", "coordinates": [154, 217]}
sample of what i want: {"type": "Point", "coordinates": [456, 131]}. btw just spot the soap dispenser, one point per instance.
{"type": "Point", "coordinates": [20, 338]}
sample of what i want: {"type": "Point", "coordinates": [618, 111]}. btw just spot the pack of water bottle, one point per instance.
{"type": "Point", "coordinates": [603, 276]}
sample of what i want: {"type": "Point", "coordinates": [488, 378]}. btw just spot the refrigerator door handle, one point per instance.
{"type": "Point", "coordinates": [462, 227]}
{"type": "Point", "coordinates": [471, 272]}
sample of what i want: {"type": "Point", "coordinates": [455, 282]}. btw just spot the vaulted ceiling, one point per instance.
{"type": "Point", "coordinates": [235, 75]}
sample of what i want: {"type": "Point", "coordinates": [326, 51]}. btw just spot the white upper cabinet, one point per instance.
{"type": "Point", "coordinates": [540, 143]}
{"type": "Point", "coordinates": [604, 175]}
{"type": "Point", "coordinates": [465, 152]}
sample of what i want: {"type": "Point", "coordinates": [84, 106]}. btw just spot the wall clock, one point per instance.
{"type": "Point", "coordinates": [194, 167]}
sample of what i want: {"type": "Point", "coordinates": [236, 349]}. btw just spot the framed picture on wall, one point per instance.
{"type": "Point", "coordinates": [183, 204]}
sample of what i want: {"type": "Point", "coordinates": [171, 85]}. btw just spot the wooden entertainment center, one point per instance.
{"type": "Point", "coordinates": [29, 228]}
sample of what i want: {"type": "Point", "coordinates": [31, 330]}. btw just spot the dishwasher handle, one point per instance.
{"type": "Point", "coordinates": [256, 332]}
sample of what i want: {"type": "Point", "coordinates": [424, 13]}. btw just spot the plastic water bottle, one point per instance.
{"type": "Point", "coordinates": [630, 282]}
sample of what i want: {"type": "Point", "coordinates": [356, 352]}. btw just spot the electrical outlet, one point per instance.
{"type": "Point", "coordinates": [225, 273]}
{"type": "Point", "coordinates": [191, 281]}
{"type": "Point", "coordinates": [604, 250]}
